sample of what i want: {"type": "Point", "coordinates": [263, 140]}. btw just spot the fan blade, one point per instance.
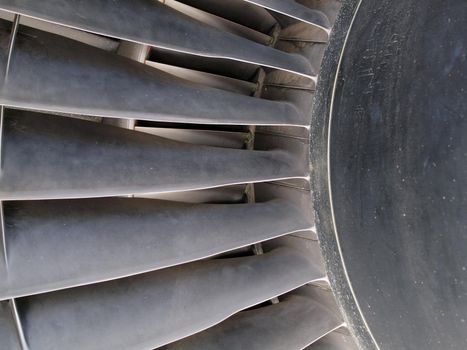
{"type": "Point", "coordinates": [52, 157]}
{"type": "Point", "coordinates": [293, 9]}
{"type": "Point", "coordinates": [99, 83]}
{"type": "Point", "coordinates": [292, 324]}
{"type": "Point", "coordinates": [154, 309]}
{"type": "Point", "coordinates": [152, 23]}
{"type": "Point", "coordinates": [60, 244]}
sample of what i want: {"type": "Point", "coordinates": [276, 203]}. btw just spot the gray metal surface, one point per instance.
{"type": "Point", "coordinates": [48, 157]}
{"type": "Point", "coordinates": [9, 339]}
{"type": "Point", "coordinates": [207, 79]}
{"type": "Point", "coordinates": [338, 340]}
{"type": "Point", "coordinates": [226, 139]}
{"type": "Point", "coordinates": [221, 23]}
{"type": "Point", "coordinates": [295, 10]}
{"type": "Point", "coordinates": [225, 195]}
{"type": "Point", "coordinates": [132, 273]}
{"type": "Point", "coordinates": [292, 324]}
{"type": "Point", "coordinates": [60, 244]}
{"type": "Point", "coordinates": [154, 309]}
{"type": "Point", "coordinates": [152, 23]}
{"type": "Point", "coordinates": [238, 11]}
{"type": "Point", "coordinates": [104, 43]}
{"type": "Point", "coordinates": [99, 83]}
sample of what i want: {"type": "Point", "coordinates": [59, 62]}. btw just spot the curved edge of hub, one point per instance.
{"type": "Point", "coordinates": [328, 237]}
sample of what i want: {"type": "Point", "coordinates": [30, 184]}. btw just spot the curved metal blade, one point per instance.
{"type": "Point", "coordinates": [292, 324]}
{"type": "Point", "coordinates": [238, 11]}
{"type": "Point", "coordinates": [154, 309]}
{"type": "Point", "coordinates": [52, 73]}
{"type": "Point", "coordinates": [295, 10]}
{"type": "Point", "coordinates": [52, 157]}
{"type": "Point", "coordinates": [60, 244]}
{"type": "Point", "coordinates": [152, 23]}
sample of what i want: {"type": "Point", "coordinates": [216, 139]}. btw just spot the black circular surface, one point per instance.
{"type": "Point", "coordinates": [398, 170]}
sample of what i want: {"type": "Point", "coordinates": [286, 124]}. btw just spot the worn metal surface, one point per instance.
{"type": "Point", "coordinates": [225, 139]}
{"type": "Point", "coordinates": [329, 242]}
{"type": "Point", "coordinates": [188, 298]}
{"type": "Point", "coordinates": [337, 340]}
{"type": "Point", "coordinates": [207, 79]}
{"type": "Point", "coordinates": [398, 170]}
{"type": "Point", "coordinates": [53, 247]}
{"type": "Point", "coordinates": [295, 10]}
{"type": "Point", "coordinates": [60, 244]}
{"type": "Point", "coordinates": [152, 23]}
{"type": "Point", "coordinates": [99, 83]}
{"type": "Point", "coordinates": [238, 11]}
{"type": "Point", "coordinates": [9, 339]}
{"type": "Point", "coordinates": [49, 157]}
{"type": "Point", "coordinates": [292, 324]}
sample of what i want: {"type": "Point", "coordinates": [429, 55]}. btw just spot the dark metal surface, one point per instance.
{"type": "Point", "coordinates": [152, 23]}
{"type": "Point", "coordinates": [151, 310]}
{"type": "Point", "coordinates": [398, 170]}
{"type": "Point", "coordinates": [320, 183]}
{"type": "Point", "coordinates": [52, 73]}
{"type": "Point", "coordinates": [47, 157]}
